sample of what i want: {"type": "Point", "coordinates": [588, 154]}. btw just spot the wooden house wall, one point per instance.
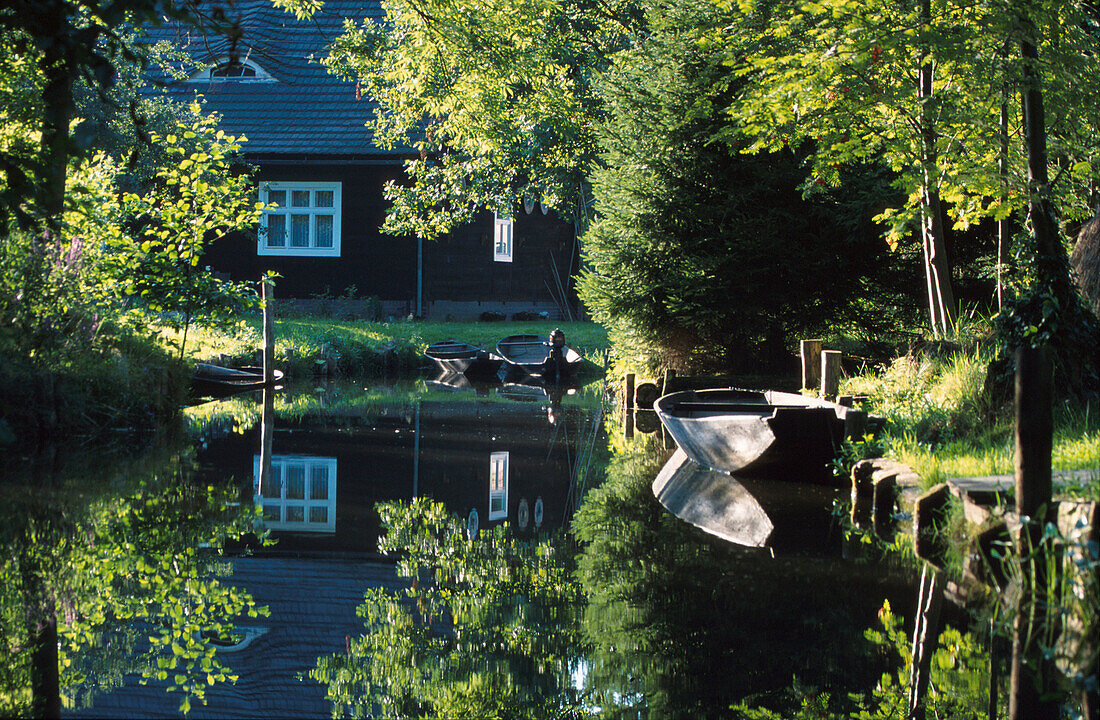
{"type": "Point", "coordinates": [458, 267]}
{"type": "Point", "coordinates": [376, 264]}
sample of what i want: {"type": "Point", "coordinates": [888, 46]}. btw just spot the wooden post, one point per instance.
{"type": "Point", "coordinates": [269, 330]}
{"type": "Point", "coordinates": [629, 391]}
{"type": "Point", "coordinates": [628, 423]}
{"type": "Point", "coordinates": [830, 373]}
{"type": "Point", "coordinates": [855, 424]}
{"type": "Point", "coordinates": [811, 369]}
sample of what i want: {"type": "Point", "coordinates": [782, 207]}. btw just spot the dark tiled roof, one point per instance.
{"type": "Point", "coordinates": [305, 111]}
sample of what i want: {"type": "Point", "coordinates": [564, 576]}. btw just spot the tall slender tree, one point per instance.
{"type": "Point", "coordinates": [918, 85]}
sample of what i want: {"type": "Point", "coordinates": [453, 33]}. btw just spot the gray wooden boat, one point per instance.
{"type": "Point", "coordinates": [531, 355]}
{"type": "Point", "coordinates": [760, 432]}
{"type": "Point", "coordinates": [461, 357]}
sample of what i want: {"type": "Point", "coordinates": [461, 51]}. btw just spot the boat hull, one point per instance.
{"type": "Point", "coordinates": [216, 381]}
{"type": "Point", "coordinates": [531, 355]}
{"type": "Point", "coordinates": [453, 356]}
{"type": "Point", "coordinates": [758, 432]}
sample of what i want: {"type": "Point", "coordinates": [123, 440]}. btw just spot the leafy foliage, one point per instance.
{"type": "Point", "coordinates": [496, 97]}
{"type": "Point", "coordinates": [1047, 310]}
{"type": "Point", "coordinates": [959, 686]}
{"type": "Point", "coordinates": [199, 199]}
{"type": "Point", "coordinates": [923, 87]}
{"type": "Point", "coordinates": [705, 251]}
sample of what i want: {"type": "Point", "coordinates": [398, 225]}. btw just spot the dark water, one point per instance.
{"type": "Point", "coordinates": [524, 570]}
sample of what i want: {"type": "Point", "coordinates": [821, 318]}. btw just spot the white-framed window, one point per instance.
{"type": "Point", "coordinates": [230, 69]}
{"type": "Point", "coordinates": [305, 221]}
{"type": "Point", "coordinates": [300, 494]}
{"type": "Point", "coordinates": [502, 238]}
{"type": "Point", "coordinates": [498, 485]}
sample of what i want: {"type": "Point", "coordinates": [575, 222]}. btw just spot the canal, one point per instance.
{"type": "Point", "coordinates": [421, 549]}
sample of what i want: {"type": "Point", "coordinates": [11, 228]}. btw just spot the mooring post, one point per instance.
{"type": "Point", "coordinates": [628, 382]}
{"type": "Point", "coordinates": [811, 368]}
{"type": "Point", "coordinates": [268, 298]}
{"type": "Point", "coordinates": [669, 381]}
{"type": "Point", "coordinates": [628, 423]}
{"type": "Point", "coordinates": [830, 373]}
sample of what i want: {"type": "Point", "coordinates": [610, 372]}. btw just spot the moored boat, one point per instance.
{"type": "Point", "coordinates": [548, 358]}
{"type": "Point", "coordinates": [461, 357]}
{"type": "Point", "coordinates": [756, 431]}
{"type": "Point", "coordinates": [209, 380]}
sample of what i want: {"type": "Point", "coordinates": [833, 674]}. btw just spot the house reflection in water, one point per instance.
{"type": "Point", "coordinates": [488, 462]}
{"type": "Point", "coordinates": [300, 494]}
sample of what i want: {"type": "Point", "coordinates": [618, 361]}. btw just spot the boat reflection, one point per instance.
{"type": "Point", "coordinates": [783, 515]}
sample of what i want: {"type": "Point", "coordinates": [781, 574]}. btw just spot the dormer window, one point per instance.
{"type": "Point", "coordinates": [228, 69]}
{"type": "Point", "coordinates": [233, 70]}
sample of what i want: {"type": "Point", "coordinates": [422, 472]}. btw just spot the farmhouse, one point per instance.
{"type": "Point", "coordinates": [315, 158]}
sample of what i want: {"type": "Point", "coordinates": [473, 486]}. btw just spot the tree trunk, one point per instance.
{"type": "Point", "coordinates": [1032, 675]}
{"type": "Point", "coordinates": [1004, 230]}
{"type": "Point", "coordinates": [57, 98]}
{"type": "Point", "coordinates": [941, 297]}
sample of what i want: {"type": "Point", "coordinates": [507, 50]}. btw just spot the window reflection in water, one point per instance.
{"type": "Point", "coordinates": [289, 502]}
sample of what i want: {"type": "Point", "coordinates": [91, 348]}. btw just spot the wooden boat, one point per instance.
{"type": "Point", "coordinates": [756, 431]}
{"type": "Point", "coordinates": [216, 381]}
{"type": "Point", "coordinates": [534, 355]}
{"type": "Point", "coordinates": [463, 358]}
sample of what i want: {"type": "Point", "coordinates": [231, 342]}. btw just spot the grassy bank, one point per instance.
{"type": "Point", "coordinates": [124, 383]}
{"type": "Point", "coordinates": [941, 421]}
{"type": "Point", "coordinates": [361, 348]}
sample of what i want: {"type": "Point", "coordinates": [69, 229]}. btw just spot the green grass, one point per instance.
{"type": "Point", "coordinates": [941, 422]}
{"type": "Point", "coordinates": [356, 346]}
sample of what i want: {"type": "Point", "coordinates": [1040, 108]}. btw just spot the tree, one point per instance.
{"type": "Point", "coordinates": [711, 254]}
{"type": "Point", "coordinates": [198, 198]}
{"type": "Point", "coordinates": [55, 43]}
{"type": "Point", "coordinates": [495, 98]}
{"type": "Point", "coordinates": [919, 86]}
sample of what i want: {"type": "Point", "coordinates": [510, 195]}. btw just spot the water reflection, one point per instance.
{"type": "Point", "coordinates": [489, 460]}
{"type": "Point", "coordinates": [683, 625]}
{"type": "Point", "coordinates": [109, 572]}
{"type": "Point", "coordinates": [458, 554]}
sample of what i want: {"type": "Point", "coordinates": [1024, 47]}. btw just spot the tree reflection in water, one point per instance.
{"type": "Point", "coordinates": [486, 627]}
{"type": "Point", "coordinates": [644, 617]}
{"type": "Point", "coordinates": [113, 565]}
